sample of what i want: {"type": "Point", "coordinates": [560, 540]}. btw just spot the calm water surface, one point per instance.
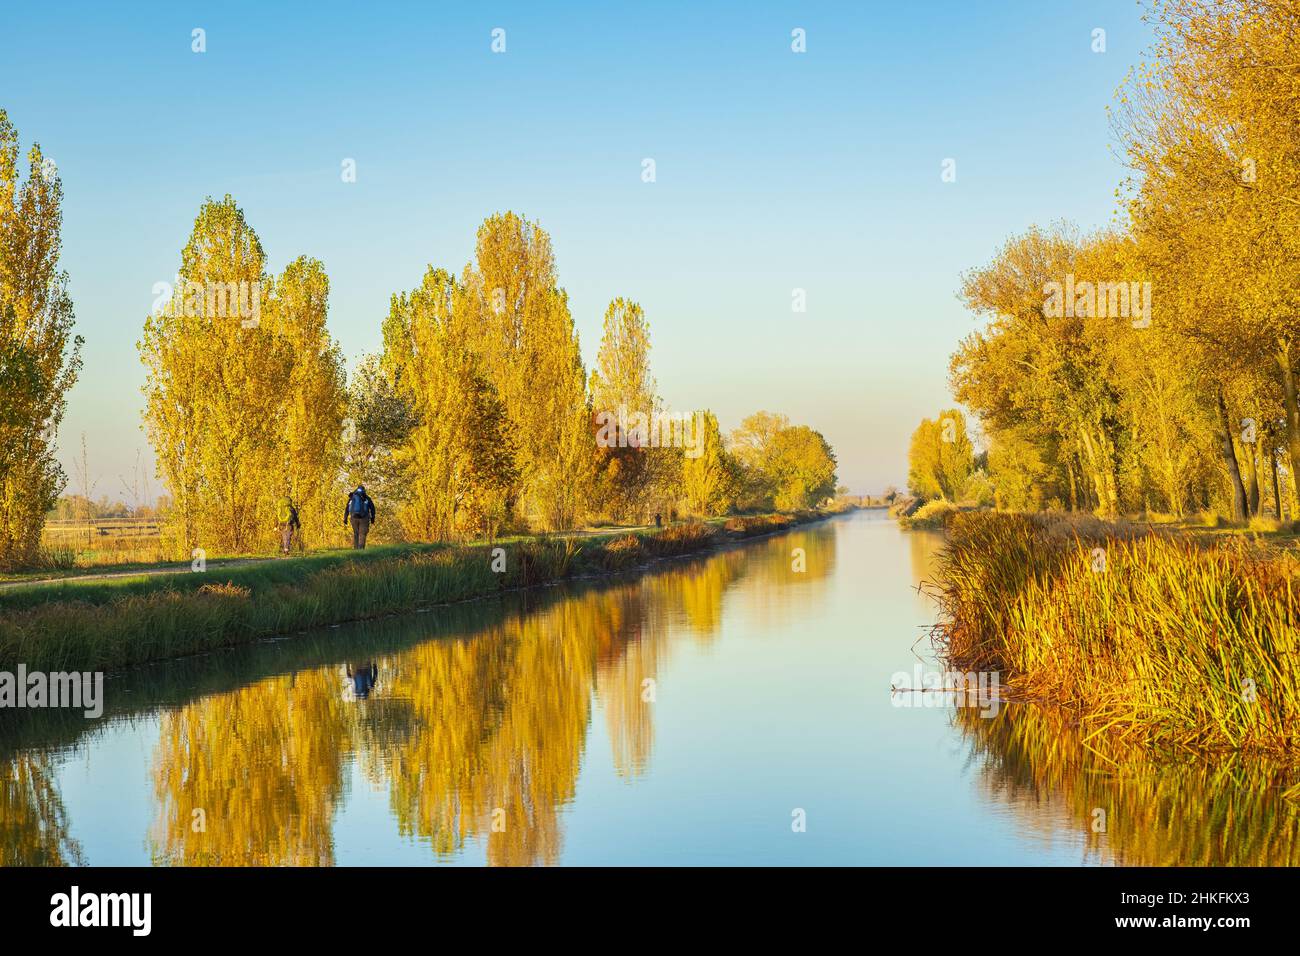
{"type": "Point", "coordinates": [683, 717]}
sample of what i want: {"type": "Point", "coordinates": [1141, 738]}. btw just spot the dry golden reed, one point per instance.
{"type": "Point", "coordinates": [1172, 642]}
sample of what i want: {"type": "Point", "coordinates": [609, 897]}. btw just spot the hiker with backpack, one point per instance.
{"type": "Point", "coordinates": [287, 523]}
{"type": "Point", "coordinates": [360, 513]}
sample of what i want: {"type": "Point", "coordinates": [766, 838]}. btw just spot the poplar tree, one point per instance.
{"type": "Point", "coordinates": [245, 405]}
{"type": "Point", "coordinates": [40, 357]}
{"type": "Point", "coordinates": [517, 322]}
{"type": "Point", "coordinates": [709, 478]}
{"type": "Point", "coordinates": [457, 460]}
{"type": "Point", "coordinates": [314, 401]}
{"type": "Point", "coordinates": [621, 386]}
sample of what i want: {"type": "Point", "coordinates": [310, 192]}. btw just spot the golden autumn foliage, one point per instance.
{"type": "Point", "coordinates": [940, 459]}
{"type": "Point", "coordinates": [780, 465]}
{"type": "Point", "coordinates": [490, 374]}
{"type": "Point", "coordinates": [39, 356]}
{"type": "Point", "coordinates": [244, 390]}
{"type": "Point", "coordinates": [476, 417]}
{"type": "Point", "coordinates": [457, 460]}
{"type": "Point", "coordinates": [1152, 366]}
{"type": "Point", "coordinates": [517, 323]}
{"type": "Point", "coordinates": [478, 414]}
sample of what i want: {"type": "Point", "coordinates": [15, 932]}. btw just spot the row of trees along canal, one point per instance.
{"type": "Point", "coordinates": [1187, 400]}
{"type": "Point", "coordinates": [476, 417]}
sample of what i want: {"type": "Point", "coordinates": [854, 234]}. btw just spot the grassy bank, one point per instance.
{"type": "Point", "coordinates": [112, 624]}
{"type": "Point", "coordinates": [1170, 641]}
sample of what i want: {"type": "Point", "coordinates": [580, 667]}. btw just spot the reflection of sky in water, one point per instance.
{"type": "Point", "coordinates": [772, 693]}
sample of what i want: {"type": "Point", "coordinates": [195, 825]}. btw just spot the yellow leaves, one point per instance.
{"type": "Point", "coordinates": [39, 356]}
{"type": "Point", "coordinates": [491, 367]}
{"type": "Point", "coordinates": [240, 415]}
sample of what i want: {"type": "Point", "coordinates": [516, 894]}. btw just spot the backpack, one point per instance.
{"type": "Point", "coordinates": [357, 505]}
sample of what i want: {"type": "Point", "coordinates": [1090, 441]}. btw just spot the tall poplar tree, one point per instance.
{"type": "Point", "coordinates": [456, 462]}
{"type": "Point", "coordinates": [243, 405]}
{"type": "Point", "coordinates": [39, 356]}
{"type": "Point", "coordinates": [622, 386]}
{"type": "Point", "coordinates": [517, 322]}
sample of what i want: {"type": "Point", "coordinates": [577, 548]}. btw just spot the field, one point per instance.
{"type": "Point", "coordinates": [97, 542]}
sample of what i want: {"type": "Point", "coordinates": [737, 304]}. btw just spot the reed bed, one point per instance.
{"type": "Point", "coordinates": [932, 516]}
{"type": "Point", "coordinates": [1174, 643]}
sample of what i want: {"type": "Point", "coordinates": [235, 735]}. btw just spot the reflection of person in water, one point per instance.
{"type": "Point", "coordinates": [364, 677]}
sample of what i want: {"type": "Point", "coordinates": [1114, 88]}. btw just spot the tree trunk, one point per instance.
{"type": "Point", "coordinates": [1230, 459]}
{"type": "Point", "coordinates": [1292, 408]}
{"type": "Point", "coordinates": [1277, 485]}
{"type": "Point", "coordinates": [1102, 466]}
{"type": "Point", "coordinates": [1252, 475]}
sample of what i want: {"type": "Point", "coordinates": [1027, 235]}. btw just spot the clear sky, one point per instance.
{"type": "Point", "coordinates": [775, 171]}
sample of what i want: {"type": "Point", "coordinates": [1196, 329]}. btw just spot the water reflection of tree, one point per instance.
{"type": "Point", "coordinates": [253, 777]}
{"type": "Point", "coordinates": [1227, 811]}
{"type": "Point", "coordinates": [499, 721]}
{"type": "Point", "coordinates": [476, 738]}
{"type": "Point", "coordinates": [775, 593]}
{"type": "Point", "coordinates": [479, 737]}
{"type": "Point", "coordinates": [33, 822]}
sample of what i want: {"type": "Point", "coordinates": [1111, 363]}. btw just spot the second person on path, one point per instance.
{"type": "Point", "coordinates": [360, 512]}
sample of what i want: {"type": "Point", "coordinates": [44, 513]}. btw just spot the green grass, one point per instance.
{"type": "Point", "coordinates": [1174, 641]}
{"type": "Point", "coordinates": [109, 624]}
{"type": "Point", "coordinates": [257, 573]}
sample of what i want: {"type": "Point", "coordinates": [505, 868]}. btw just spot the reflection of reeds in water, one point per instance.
{"type": "Point", "coordinates": [1186, 812]}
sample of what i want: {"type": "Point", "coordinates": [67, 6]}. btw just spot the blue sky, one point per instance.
{"type": "Point", "coordinates": [775, 171]}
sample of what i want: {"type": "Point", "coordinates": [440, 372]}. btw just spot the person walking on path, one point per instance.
{"type": "Point", "coordinates": [360, 512]}
{"type": "Point", "coordinates": [286, 517]}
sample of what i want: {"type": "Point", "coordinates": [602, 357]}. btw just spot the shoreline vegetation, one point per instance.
{"type": "Point", "coordinates": [1159, 638]}
{"type": "Point", "coordinates": [109, 626]}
